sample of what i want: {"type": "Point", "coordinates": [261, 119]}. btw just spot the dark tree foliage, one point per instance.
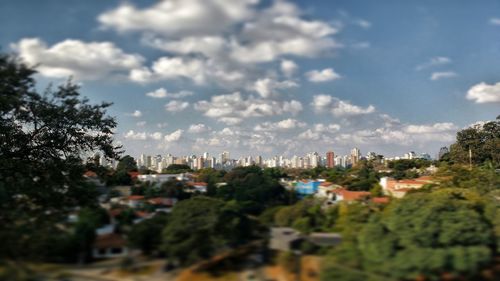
{"type": "Point", "coordinates": [253, 189]}
{"type": "Point", "coordinates": [176, 169]}
{"type": "Point", "coordinates": [127, 164]}
{"type": "Point", "coordinates": [483, 142]}
{"type": "Point", "coordinates": [423, 236]}
{"type": "Point", "coordinates": [147, 235]}
{"type": "Point", "coordinates": [43, 141]}
{"type": "Point", "coordinates": [201, 226]}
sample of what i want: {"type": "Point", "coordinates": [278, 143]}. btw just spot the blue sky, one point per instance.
{"type": "Point", "coordinates": [270, 77]}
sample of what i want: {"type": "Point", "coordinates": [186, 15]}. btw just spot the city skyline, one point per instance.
{"type": "Point", "coordinates": [271, 77]}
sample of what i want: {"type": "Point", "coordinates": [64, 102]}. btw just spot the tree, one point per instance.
{"type": "Point", "coordinates": [127, 164]}
{"type": "Point", "coordinates": [253, 189]}
{"type": "Point", "coordinates": [483, 141]}
{"type": "Point", "coordinates": [147, 234]}
{"type": "Point", "coordinates": [424, 235]}
{"type": "Point", "coordinates": [201, 226]}
{"type": "Point", "coordinates": [43, 141]}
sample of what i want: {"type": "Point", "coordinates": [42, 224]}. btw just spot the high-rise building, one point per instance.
{"type": "Point", "coordinates": [330, 159]}
{"type": "Point", "coordinates": [355, 156]}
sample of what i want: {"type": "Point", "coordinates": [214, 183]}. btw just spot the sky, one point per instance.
{"type": "Point", "coordinates": [259, 77]}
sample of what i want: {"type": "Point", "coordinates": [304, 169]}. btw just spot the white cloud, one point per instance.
{"type": "Point", "coordinates": [174, 136]}
{"type": "Point", "coordinates": [267, 87]}
{"type": "Point", "coordinates": [324, 75]}
{"type": "Point", "coordinates": [156, 135]}
{"type": "Point", "coordinates": [163, 93]}
{"type": "Point", "coordinates": [344, 108]}
{"type": "Point", "coordinates": [195, 69]}
{"type": "Point", "coordinates": [83, 60]}
{"type": "Point", "coordinates": [136, 113]}
{"type": "Point", "coordinates": [442, 75]}
{"type": "Point", "coordinates": [140, 123]}
{"type": "Point", "coordinates": [176, 106]}
{"type": "Point", "coordinates": [321, 102]}
{"type": "Point", "coordinates": [435, 61]}
{"type": "Point", "coordinates": [236, 106]}
{"type": "Point", "coordinates": [132, 135]}
{"type": "Point", "coordinates": [495, 21]}
{"type": "Point", "coordinates": [338, 107]}
{"type": "Point", "coordinates": [288, 67]}
{"type": "Point", "coordinates": [173, 17]}
{"type": "Point", "coordinates": [198, 128]}
{"type": "Point", "coordinates": [430, 129]}
{"type": "Point", "coordinates": [484, 93]}
{"type": "Point", "coordinates": [135, 135]}
{"type": "Point", "coordinates": [286, 124]}
{"type": "Point", "coordinates": [363, 23]}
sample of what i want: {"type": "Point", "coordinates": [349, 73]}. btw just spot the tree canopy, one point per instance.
{"type": "Point", "coordinates": [44, 140]}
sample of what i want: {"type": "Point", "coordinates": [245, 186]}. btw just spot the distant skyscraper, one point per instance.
{"type": "Point", "coordinates": [330, 159]}
{"type": "Point", "coordinates": [355, 156]}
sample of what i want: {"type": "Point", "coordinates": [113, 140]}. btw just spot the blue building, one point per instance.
{"type": "Point", "coordinates": [306, 188]}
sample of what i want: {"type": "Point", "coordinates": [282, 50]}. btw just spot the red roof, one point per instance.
{"type": "Point", "coordinates": [326, 183]}
{"type": "Point", "coordinates": [161, 201]}
{"type": "Point", "coordinates": [142, 214]}
{"type": "Point", "coordinates": [197, 183]}
{"type": "Point", "coordinates": [354, 195]}
{"type": "Point", "coordinates": [90, 174]}
{"type": "Point", "coordinates": [380, 200]}
{"type": "Point", "coordinates": [133, 175]}
{"type": "Point", "coordinates": [135, 197]}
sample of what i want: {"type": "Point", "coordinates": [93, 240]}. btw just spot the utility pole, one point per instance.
{"type": "Point", "coordinates": [470, 158]}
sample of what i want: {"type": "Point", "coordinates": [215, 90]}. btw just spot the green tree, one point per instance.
{"type": "Point", "coordinates": [43, 141]}
{"type": "Point", "coordinates": [483, 140]}
{"type": "Point", "coordinates": [147, 235]}
{"type": "Point", "coordinates": [201, 226]}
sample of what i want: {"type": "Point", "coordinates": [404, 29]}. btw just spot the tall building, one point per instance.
{"type": "Point", "coordinates": [330, 159]}
{"type": "Point", "coordinates": [355, 156]}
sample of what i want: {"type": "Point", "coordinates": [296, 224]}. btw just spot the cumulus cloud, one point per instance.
{"type": "Point", "coordinates": [176, 106]}
{"type": "Point", "coordinates": [136, 113]}
{"type": "Point", "coordinates": [338, 107]}
{"type": "Point", "coordinates": [132, 135]}
{"type": "Point", "coordinates": [234, 107]}
{"type": "Point", "coordinates": [198, 128]}
{"type": "Point", "coordinates": [324, 75]}
{"type": "Point", "coordinates": [435, 61]}
{"type": "Point", "coordinates": [174, 136]}
{"type": "Point", "coordinates": [442, 75]}
{"type": "Point", "coordinates": [267, 87]}
{"type": "Point", "coordinates": [163, 93]}
{"type": "Point", "coordinates": [82, 60]}
{"type": "Point", "coordinates": [288, 67]}
{"type": "Point", "coordinates": [174, 17]}
{"type": "Point", "coordinates": [286, 124]}
{"type": "Point", "coordinates": [484, 93]}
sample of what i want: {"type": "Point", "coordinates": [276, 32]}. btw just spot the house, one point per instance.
{"type": "Point", "coordinates": [198, 186]}
{"type": "Point", "coordinates": [342, 194]}
{"type": "Point", "coordinates": [135, 201]}
{"type": "Point", "coordinates": [110, 245]}
{"type": "Point", "coordinates": [161, 178]}
{"type": "Point", "coordinates": [306, 187]}
{"type": "Point", "coordinates": [399, 188]}
{"type": "Point", "coordinates": [325, 190]}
